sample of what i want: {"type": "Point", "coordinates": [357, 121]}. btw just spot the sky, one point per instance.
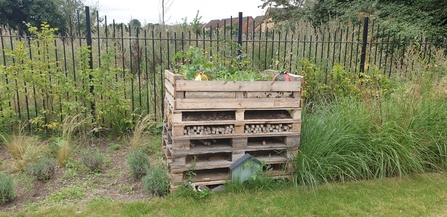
{"type": "Point", "coordinates": [147, 11]}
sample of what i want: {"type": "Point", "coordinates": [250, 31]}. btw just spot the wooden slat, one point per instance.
{"type": "Point", "coordinates": [236, 135]}
{"type": "Point", "coordinates": [171, 101]}
{"type": "Point", "coordinates": [170, 88]}
{"type": "Point", "coordinates": [243, 103]}
{"type": "Point", "coordinates": [210, 95]}
{"type": "Point", "coordinates": [187, 85]}
{"type": "Point", "coordinates": [172, 77]}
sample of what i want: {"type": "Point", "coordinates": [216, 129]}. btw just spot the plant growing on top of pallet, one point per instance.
{"type": "Point", "coordinates": [236, 69]}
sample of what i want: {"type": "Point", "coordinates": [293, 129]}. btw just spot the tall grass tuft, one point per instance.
{"type": "Point", "coordinates": [69, 126]}
{"type": "Point", "coordinates": [141, 132]}
{"type": "Point", "coordinates": [24, 150]}
{"type": "Point", "coordinates": [375, 136]}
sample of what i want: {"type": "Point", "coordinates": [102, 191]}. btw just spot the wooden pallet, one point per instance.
{"type": "Point", "coordinates": [217, 176]}
{"type": "Point", "coordinates": [211, 124]}
{"type": "Point", "coordinates": [192, 95]}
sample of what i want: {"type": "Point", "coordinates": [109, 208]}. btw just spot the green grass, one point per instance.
{"type": "Point", "coordinates": [418, 195]}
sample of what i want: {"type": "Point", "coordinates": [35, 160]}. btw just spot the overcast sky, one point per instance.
{"type": "Point", "coordinates": [147, 11]}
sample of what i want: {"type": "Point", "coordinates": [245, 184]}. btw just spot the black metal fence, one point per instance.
{"type": "Point", "coordinates": [144, 54]}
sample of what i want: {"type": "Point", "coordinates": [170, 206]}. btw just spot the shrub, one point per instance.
{"type": "Point", "coordinates": [93, 159]}
{"type": "Point", "coordinates": [138, 163]}
{"type": "Point", "coordinates": [156, 182]}
{"type": "Point", "coordinates": [6, 188]}
{"type": "Point", "coordinates": [43, 169]}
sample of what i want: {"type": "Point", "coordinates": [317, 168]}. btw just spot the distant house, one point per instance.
{"type": "Point", "coordinates": [259, 23]}
{"type": "Point", "coordinates": [211, 25]}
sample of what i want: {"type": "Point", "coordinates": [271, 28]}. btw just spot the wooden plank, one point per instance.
{"type": "Point", "coordinates": [171, 101]}
{"type": "Point", "coordinates": [238, 103]}
{"type": "Point", "coordinates": [237, 155]}
{"type": "Point", "coordinates": [187, 85]}
{"type": "Point", "coordinates": [296, 114]}
{"type": "Point", "coordinates": [240, 115]}
{"type": "Point", "coordinates": [209, 94]}
{"type": "Point", "coordinates": [294, 77]}
{"type": "Point", "coordinates": [170, 88]}
{"type": "Point", "coordinates": [292, 141]}
{"type": "Point", "coordinates": [292, 152]}
{"type": "Point", "coordinates": [205, 165]}
{"type": "Point", "coordinates": [239, 143]}
{"type": "Point", "coordinates": [243, 135]}
{"type": "Point", "coordinates": [172, 77]}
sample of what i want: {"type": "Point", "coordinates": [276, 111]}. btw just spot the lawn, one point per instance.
{"type": "Point", "coordinates": [418, 195]}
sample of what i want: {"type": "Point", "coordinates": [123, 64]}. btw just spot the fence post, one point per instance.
{"type": "Point", "coordinates": [364, 43]}
{"type": "Point", "coordinates": [239, 33]}
{"type": "Point", "coordinates": [90, 62]}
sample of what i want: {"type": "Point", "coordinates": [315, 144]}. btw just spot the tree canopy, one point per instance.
{"type": "Point", "coordinates": [405, 17]}
{"type": "Point", "coordinates": [15, 13]}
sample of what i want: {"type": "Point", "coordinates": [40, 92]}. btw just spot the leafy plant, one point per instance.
{"type": "Point", "coordinates": [93, 159]}
{"type": "Point", "coordinates": [7, 193]}
{"type": "Point", "coordinates": [43, 169]}
{"type": "Point", "coordinates": [138, 163]}
{"type": "Point", "coordinates": [156, 181]}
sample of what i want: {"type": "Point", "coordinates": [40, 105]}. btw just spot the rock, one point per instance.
{"type": "Point", "coordinates": [218, 188]}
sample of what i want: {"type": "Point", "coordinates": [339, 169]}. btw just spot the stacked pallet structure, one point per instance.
{"type": "Point", "coordinates": [211, 124]}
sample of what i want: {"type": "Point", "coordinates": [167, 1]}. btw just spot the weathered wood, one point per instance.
{"type": "Point", "coordinates": [171, 77]}
{"type": "Point", "coordinates": [238, 103]}
{"type": "Point", "coordinates": [209, 94]}
{"type": "Point", "coordinates": [258, 86]}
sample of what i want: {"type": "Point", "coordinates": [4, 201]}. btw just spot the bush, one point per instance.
{"type": "Point", "coordinates": [6, 188]}
{"type": "Point", "coordinates": [93, 159]}
{"type": "Point", "coordinates": [156, 182]}
{"type": "Point", "coordinates": [43, 169]}
{"type": "Point", "coordinates": [138, 163]}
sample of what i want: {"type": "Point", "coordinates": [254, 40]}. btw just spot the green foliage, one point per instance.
{"type": "Point", "coordinates": [138, 163]}
{"type": "Point", "coordinates": [93, 159]}
{"type": "Point", "coordinates": [405, 18]}
{"type": "Point", "coordinates": [374, 136]}
{"type": "Point", "coordinates": [7, 193]}
{"type": "Point", "coordinates": [234, 69]}
{"type": "Point", "coordinates": [15, 13]}
{"type": "Point", "coordinates": [43, 169]}
{"type": "Point", "coordinates": [325, 87]}
{"type": "Point", "coordinates": [156, 182]}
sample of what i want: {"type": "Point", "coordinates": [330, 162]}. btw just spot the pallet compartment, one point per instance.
{"type": "Point", "coordinates": [209, 125]}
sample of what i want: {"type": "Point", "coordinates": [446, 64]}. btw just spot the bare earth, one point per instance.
{"type": "Point", "coordinates": [76, 184]}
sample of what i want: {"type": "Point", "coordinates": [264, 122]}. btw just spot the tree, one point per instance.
{"type": "Point", "coordinates": [15, 13]}
{"type": "Point", "coordinates": [165, 6]}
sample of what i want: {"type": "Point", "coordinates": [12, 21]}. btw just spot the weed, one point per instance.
{"type": "Point", "coordinates": [114, 147]}
{"type": "Point", "coordinates": [138, 163]}
{"type": "Point", "coordinates": [71, 193]}
{"type": "Point", "coordinates": [156, 182]}
{"type": "Point", "coordinates": [7, 193]}
{"type": "Point", "coordinates": [126, 189]}
{"type": "Point", "coordinates": [43, 169]}
{"type": "Point", "coordinates": [93, 159]}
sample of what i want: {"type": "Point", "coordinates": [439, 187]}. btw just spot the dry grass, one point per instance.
{"type": "Point", "coordinates": [69, 125]}
{"type": "Point", "coordinates": [24, 151]}
{"type": "Point", "coordinates": [141, 132]}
